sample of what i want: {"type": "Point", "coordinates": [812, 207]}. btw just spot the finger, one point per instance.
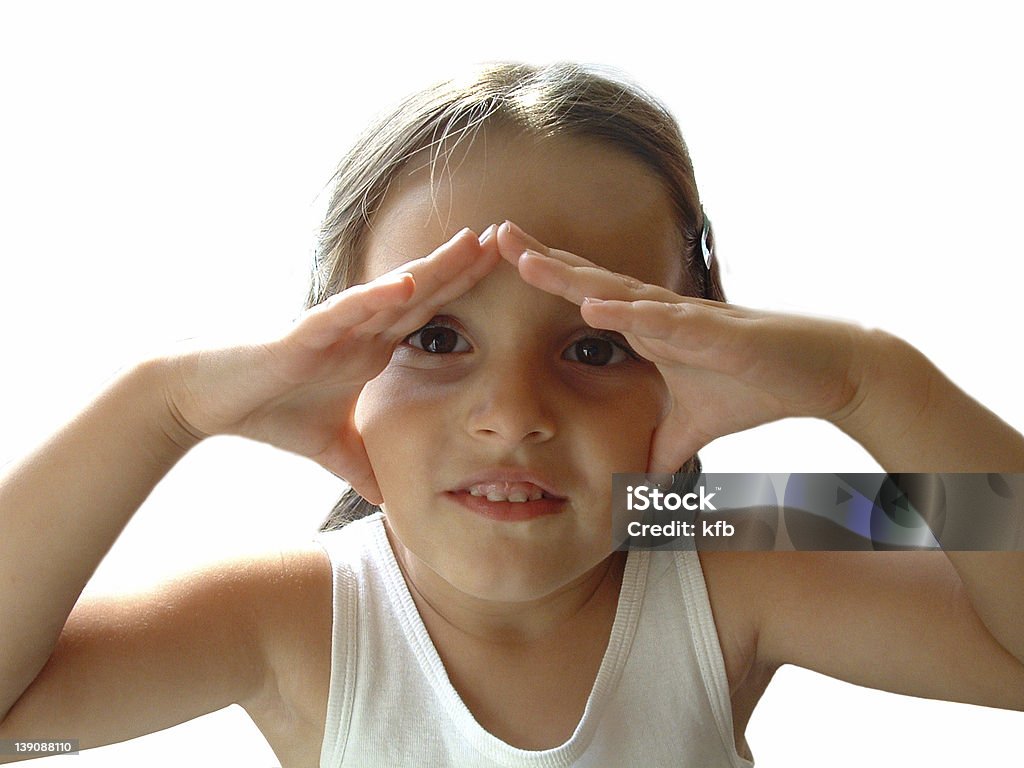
{"type": "Point", "coordinates": [351, 463]}
{"type": "Point", "coordinates": [671, 449]}
{"type": "Point", "coordinates": [457, 262]}
{"type": "Point", "coordinates": [441, 277]}
{"type": "Point", "coordinates": [687, 323]}
{"type": "Point", "coordinates": [651, 319]}
{"type": "Point", "coordinates": [428, 282]}
{"type": "Point", "coordinates": [575, 283]}
{"type": "Point", "coordinates": [449, 274]}
{"type": "Point", "coordinates": [319, 327]}
{"type": "Point", "coordinates": [689, 333]}
{"type": "Point", "coordinates": [513, 242]}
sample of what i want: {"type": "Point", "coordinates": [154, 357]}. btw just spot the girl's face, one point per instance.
{"type": "Point", "coordinates": [509, 382]}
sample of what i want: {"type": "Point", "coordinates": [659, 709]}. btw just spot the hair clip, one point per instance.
{"type": "Point", "coordinates": [707, 251]}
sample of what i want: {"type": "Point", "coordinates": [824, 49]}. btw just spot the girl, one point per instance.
{"type": "Point", "coordinates": [511, 303]}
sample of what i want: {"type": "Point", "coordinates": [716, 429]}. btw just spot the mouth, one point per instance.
{"type": "Point", "coordinates": [509, 499]}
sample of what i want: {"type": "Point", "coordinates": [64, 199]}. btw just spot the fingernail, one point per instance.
{"type": "Point", "coordinates": [462, 233]}
{"type": "Point", "coordinates": [513, 229]}
{"type": "Point", "coordinates": [535, 254]}
{"type": "Point", "coordinates": [589, 300]}
{"type": "Point", "coordinates": [488, 234]}
{"type": "Point", "coordinates": [401, 277]}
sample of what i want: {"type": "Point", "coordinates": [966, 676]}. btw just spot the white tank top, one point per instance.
{"type": "Point", "coordinates": [661, 697]}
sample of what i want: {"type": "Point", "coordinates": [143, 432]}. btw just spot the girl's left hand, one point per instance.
{"type": "Point", "coordinates": [727, 368]}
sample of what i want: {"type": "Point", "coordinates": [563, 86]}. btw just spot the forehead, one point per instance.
{"type": "Point", "coordinates": [573, 194]}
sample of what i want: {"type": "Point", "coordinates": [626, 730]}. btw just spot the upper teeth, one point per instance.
{"type": "Point", "coordinates": [516, 492]}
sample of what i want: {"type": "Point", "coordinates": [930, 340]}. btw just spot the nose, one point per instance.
{"type": "Point", "coordinates": [511, 405]}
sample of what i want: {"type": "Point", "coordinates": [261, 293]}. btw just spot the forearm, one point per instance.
{"type": "Point", "coordinates": [914, 419]}
{"type": "Point", "coordinates": [62, 507]}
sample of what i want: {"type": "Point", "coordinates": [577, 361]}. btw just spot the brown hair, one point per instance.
{"type": "Point", "coordinates": [556, 100]}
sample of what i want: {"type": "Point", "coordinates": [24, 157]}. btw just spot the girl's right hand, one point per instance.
{"type": "Point", "coordinates": [298, 392]}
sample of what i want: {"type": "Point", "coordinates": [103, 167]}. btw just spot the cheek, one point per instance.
{"type": "Point", "coordinates": [401, 417]}
{"type": "Point", "coordinates": [629, 440]}
{"type": "Point", "coordinates": [615, 432]}
{"type": "Point", "coordinates": [402, 396]}
{"type": "Point", "coordinates": [379, 418]}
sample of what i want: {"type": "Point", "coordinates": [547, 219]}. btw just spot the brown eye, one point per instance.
{"type": "Point", "coordinates": [596, 351]}
{"type": "Point", "coordinates": [438, 340]}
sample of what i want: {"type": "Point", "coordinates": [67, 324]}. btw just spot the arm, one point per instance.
{"type": "Point", "coordinates": [943, 625]}
{"type": "Point", "coordinates": [908, 622]}
{"type": "Point", "coordinates": [912, 418]}
{"type": "Point", "coordinates": [116, 667]}
{"type": "Point", "coordinates": [119, 668]}
{"type": "Point", "coordinates": [62, 508]}
{"type": "Point", "coordinates": [134, 664]}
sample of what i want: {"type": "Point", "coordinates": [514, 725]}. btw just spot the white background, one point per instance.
{"type": "Point", "coordinates": [158, 179]}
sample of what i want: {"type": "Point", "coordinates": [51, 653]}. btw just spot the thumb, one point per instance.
{"type": "Point", "coordinates": [366, 486]}
{"type": "Point", "coordinates": [353, 465]}
{"type": "Point", "coordinates": [672, 446]}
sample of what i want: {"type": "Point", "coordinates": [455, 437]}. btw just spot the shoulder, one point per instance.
{"type": "Point", "coordinates": [248, 630]}
{"type": "Point", "coordinates": [293, 594]}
